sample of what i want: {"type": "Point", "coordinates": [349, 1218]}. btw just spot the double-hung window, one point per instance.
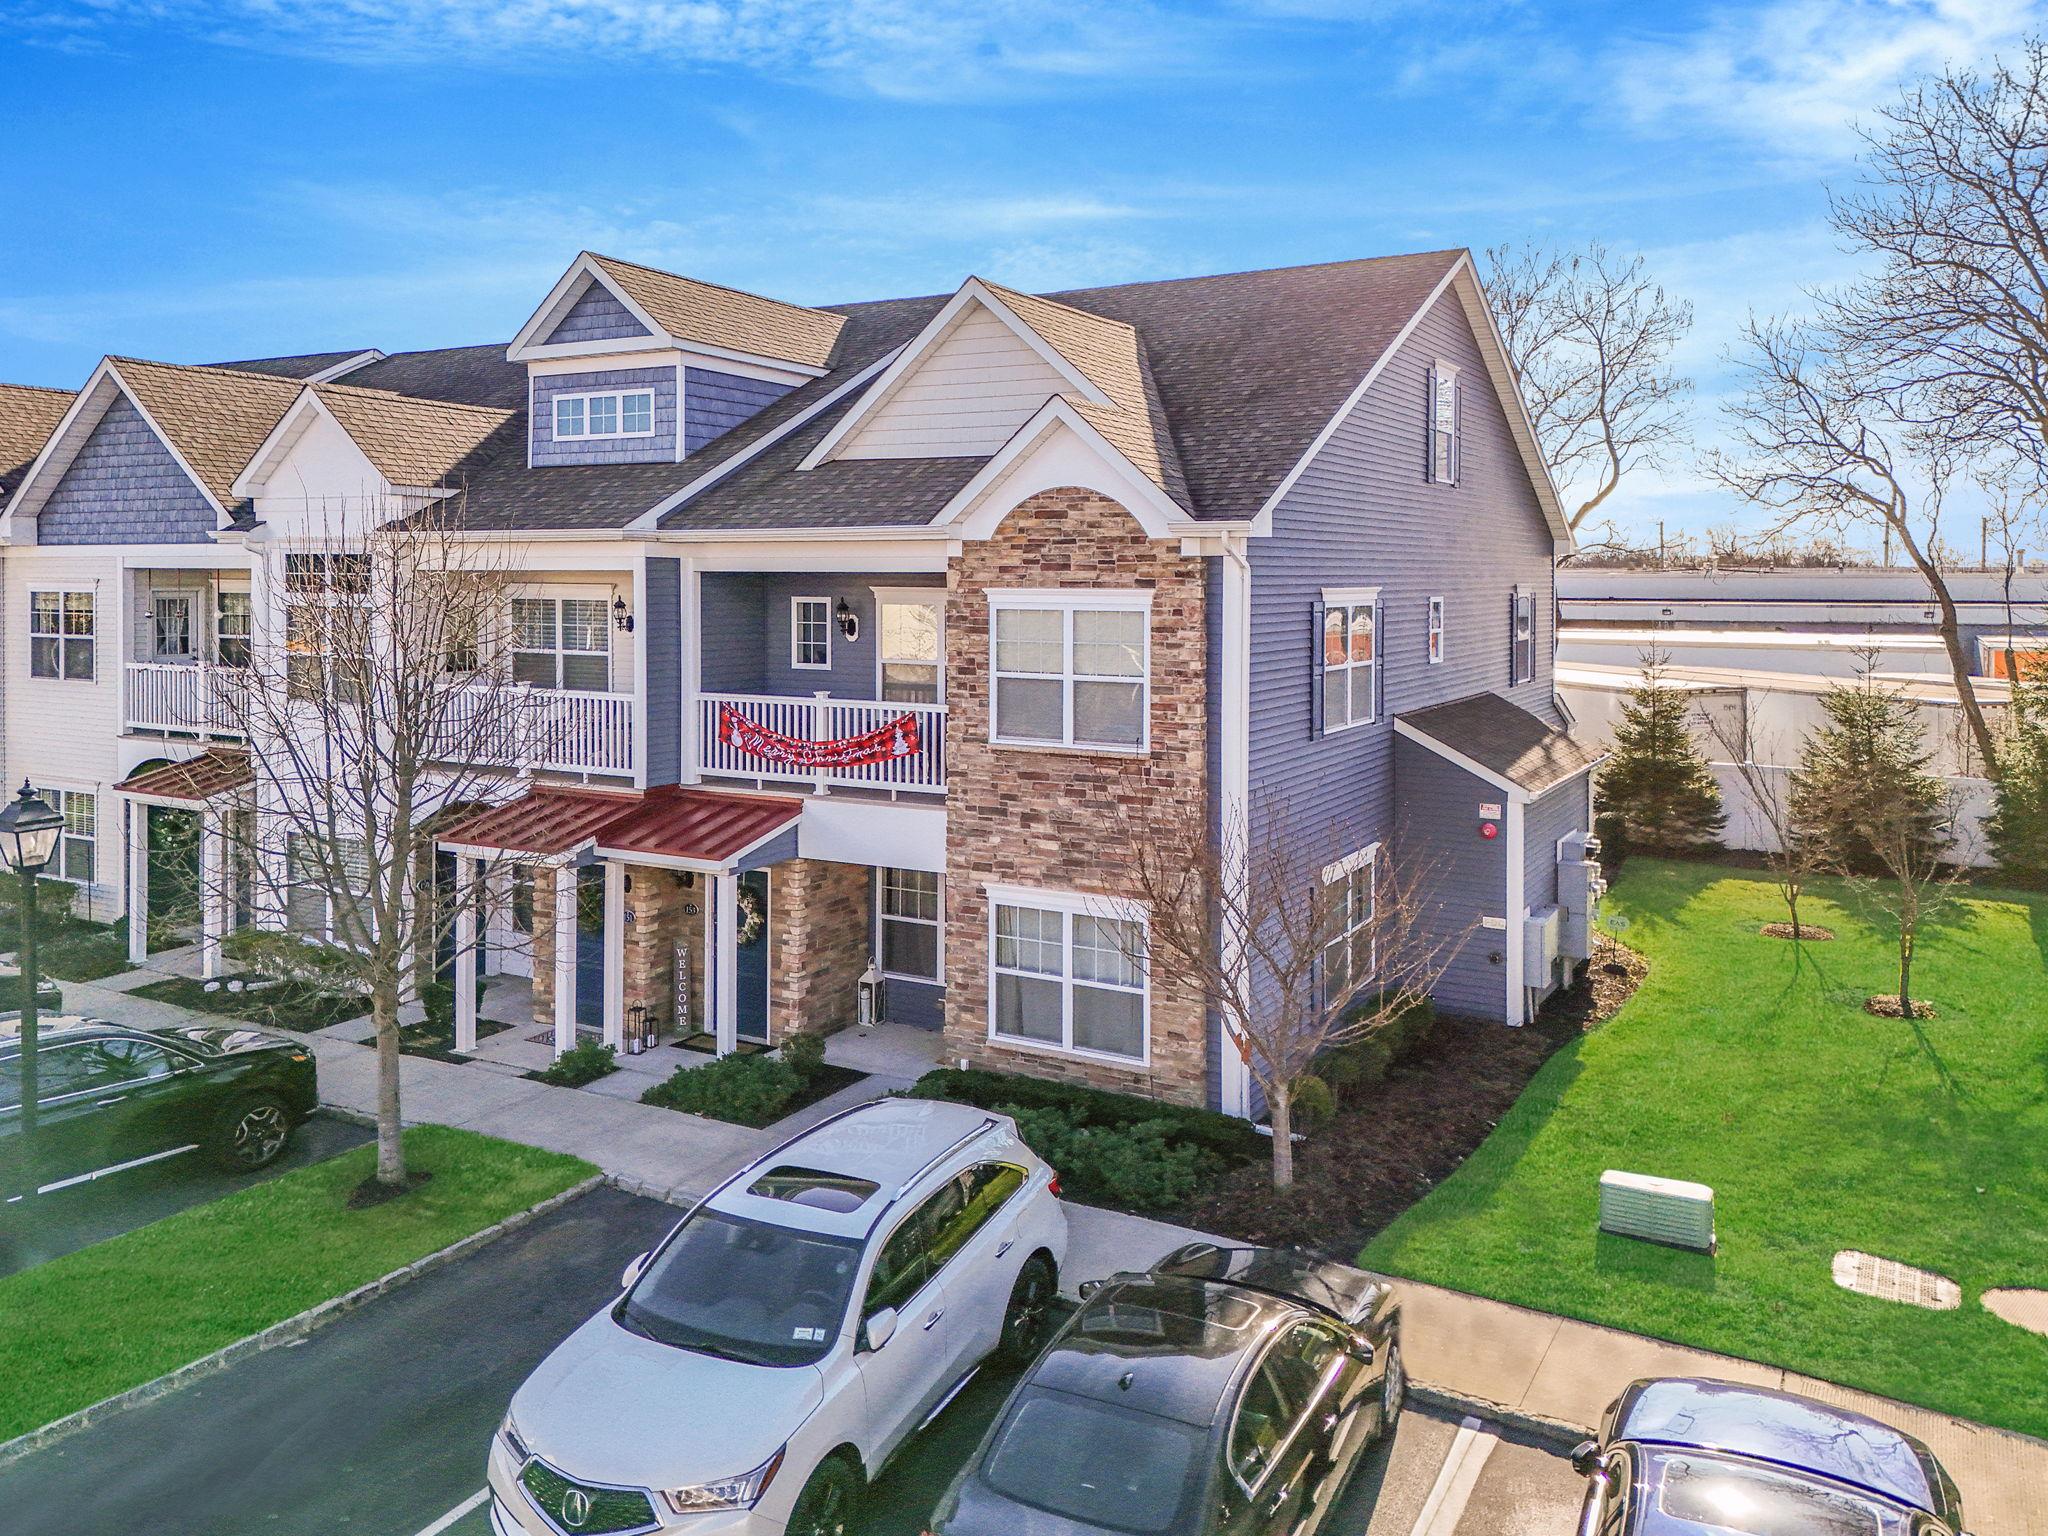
{"type": "Point", "coordinates": [1350, 952]}
{"type": "Point", "coordinates": [231, 627]}
{"type": "Point", "coordinates": [1350, 657]}
{"type": "Point", "coordinates": [911, 917]}
{"type": "Point", "coordinates": [910, 645]}
{"type": "Point", "coordinates": [1522, 640]}
{"type": "Point", "coordinates": [60, 635]}
{"type": "Point", "coordinates": [327, 888]}
{"type": "Point", "coordinates": [1436, 630]}
{"type": "Point", "coordinates": [810, 633]}
{"type": "Point", "coordinates": [1071, 668]}
{"type": "Point", "coordinates": [562, 642]}
{"type": "Point", "coordinates": [75, 857]}
{"type": "Point", "coordinates": [614, 413]}
{"type": "Point", "coordinates": [170, 627]}
{"type": "Point", "coordinates": [1444, 442]}
{"type": "Point", "coordinates": [1067, 974]}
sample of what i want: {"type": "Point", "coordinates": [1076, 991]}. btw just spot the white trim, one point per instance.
{"type": "Point", "coordinates": [1346, 601]}
{"type": "Point", "coordinates": [62, 591]}
{"type": "Point", "coordinates": [1067, 602]}
{"type": "Point", "coordinates": [347, 365]}
{"type": "Point", "coordinates": [585, 397]}
{"type": "Point", "coordinates": [910, 597]}
{"type": "Point", "coordinates": [1157, 513]}
{"type": "Point", "coordinates": [1521, 593]}
{"type": "Point", "coordinates": [1435, 632]}
{"type": "Point", "coordinates": [973, 291]}
{"type": "Point", "coordinates": [1517, 910]}
{"type": "Point", "coordinates": [1234, 752]}
{"type": "Point", "coordinates": [1070, 904]}
{"type": "Point", "coordinates": [938, 924]}
{"type": "Point", "coordinates": [1351, 862]}
{"type": "Point", "coordinates": [651, 518]}
{"type": "Point", "coordinates": [1441, 373]}
{"type": "Point", "coordinates": [796, 638]}
{"type": "Point", "coordinates": [1350, 597]}
{"type": "Point", "coordinates": [1509, 787]}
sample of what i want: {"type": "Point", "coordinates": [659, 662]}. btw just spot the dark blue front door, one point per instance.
{"type": "Point", "coordinates": [590, 947]}
{"type": "Point", "coordinates": [753, 966]}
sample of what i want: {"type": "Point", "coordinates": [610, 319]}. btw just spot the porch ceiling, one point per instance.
{"type": "Point", "coordinates": [215, 772]}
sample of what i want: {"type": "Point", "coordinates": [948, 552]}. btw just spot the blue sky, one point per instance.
{"type": "Point", "coordinates": [203, 179]}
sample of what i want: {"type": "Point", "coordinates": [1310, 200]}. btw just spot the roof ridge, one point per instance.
{"type": "Point", "coordinates": [208, 371]}
{"type": "Point", "coordinates": [1039, 298]}
{"type": "Point", "coordinates": [704, 282]}
{"type": "Point", "coordinates": [500, 412]}
{"type": "Point", "coordinates": [40, 389]}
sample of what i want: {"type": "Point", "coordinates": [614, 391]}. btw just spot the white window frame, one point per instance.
{"type": "Point", "coordinates": [796, 633]}
{"type": "Point", "coordinates": [1521, 668]}
{"type": "Point", "coordinates": [221, 633]}
{"type": "Point", "coordinates": [59, 798]}
{"type": "Point", "coordinates": [64, 638]}
{"type": "Point", "coordinates": [1367, 859]}
{"type": "Point", "coordinates": [1435, 642]}
{"type": "Point", "coordinates": [561, 649]}
{"type": "Point", "coordinates": [1070, 904]}
{"type": "Point", "coordinates": [331, 914]}
{"type": "Point", "coordinates": [1068, 602]}
{"type": "Point", "coordinates": [1445, 448]}
{"type": "Point", "coordinates": [1348, 600]}
{"type": "Point", "coordinates": [909, 597]}
{"type": "Point", "coordinates": [938, 924]}
{"type": "Point", "coordinates": [194, 644]}
{"type": "Point", "coordinates": [618, 399]}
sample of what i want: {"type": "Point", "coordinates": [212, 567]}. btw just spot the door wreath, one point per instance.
{"type": "Point", "coordinates": [752, 918]}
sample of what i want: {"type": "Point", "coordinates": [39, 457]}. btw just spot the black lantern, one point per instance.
{"type": "Point", "coordinates": [621, 620]}
{"type": "Point", "coordinates": [29, 830]}
{"type": "Point", "coordinates": [849, 621]}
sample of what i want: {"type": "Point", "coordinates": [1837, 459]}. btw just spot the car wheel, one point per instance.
{"type": "Point", "coordinates": [1393, 1390]}
{"type": "Point", "coordinates": [252, 1133]}
{"type": "Point", "coordinates": [830, 1502]}
{"type": "Point", "coordinates": [1028, 1318]}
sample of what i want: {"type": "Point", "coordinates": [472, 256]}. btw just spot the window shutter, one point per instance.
{"type": "Point", "coordinates": [1379, 666]}
{"type": "Point", "coordinates": [1429, 428]}
{"type": "Point", "coordinates": [1457, 431]}
{"type": "Point", "coordinates": [1316, 611]}
{"type": "Point", "coordinates": [1512, 679]}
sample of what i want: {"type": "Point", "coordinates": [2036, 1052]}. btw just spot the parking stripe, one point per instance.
{"type": "Point", "coordinates": [1459, 1475]}
{"type": "Point", "coordinates": [474, 1501]}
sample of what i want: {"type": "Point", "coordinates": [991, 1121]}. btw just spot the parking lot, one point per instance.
{"type": "Point", "coordinates": [378, 1423]}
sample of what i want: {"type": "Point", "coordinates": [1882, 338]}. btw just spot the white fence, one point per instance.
{"type": "Point", "coordinates": [1748, 829]}
{"type": "Point", "coordinates": [824, 719]}
{"type": "Point", "coordinates": [173, 696]}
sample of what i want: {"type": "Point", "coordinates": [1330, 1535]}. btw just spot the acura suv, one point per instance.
{"type": "Point", "coordinates": [791, 1333]}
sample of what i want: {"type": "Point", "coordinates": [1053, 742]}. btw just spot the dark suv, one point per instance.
{"type": "Point", "coordinates": [109, 1098]}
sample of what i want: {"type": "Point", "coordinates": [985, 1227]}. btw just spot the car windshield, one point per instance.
{"type": "Point", "coordinates": [1754, 1502]}
{"type": "Point", "coordinates": [745, 1290]}
{"type": "Point", "coordinates": [1095, 1463]}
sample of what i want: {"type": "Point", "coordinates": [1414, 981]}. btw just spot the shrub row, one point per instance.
{"type": "Point", "coordinates": [748, 1090]}
{"type": "Point", "coordinates": [582, 1063]}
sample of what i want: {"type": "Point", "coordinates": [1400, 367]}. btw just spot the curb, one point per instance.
{"type": "Point", "coordinates": [1558, 1433]}
{"type": "Point", "coordinates": [289, 1331]}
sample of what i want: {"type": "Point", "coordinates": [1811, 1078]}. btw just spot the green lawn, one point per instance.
{"type": "Point", "coordinates": [95, 1322]}
{"type": "Point", "coordinates": [1748, 1064]}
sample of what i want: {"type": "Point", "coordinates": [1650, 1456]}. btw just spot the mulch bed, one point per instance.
{"type": "Point", "coordinates": [288, 1005]}
{"type": "Point", "coordinates": [1808, 933]}
{"type": "Point", "coordinates": [1391, 1144]}
{"type": "Point", "coordinates": [371, 1192]}
{"type": "Point", "coordinates": [1887, 1007]}
{"type": "Point", "coordinates": [436, 1040]}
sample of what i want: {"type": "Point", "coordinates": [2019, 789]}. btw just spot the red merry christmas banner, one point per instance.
{"type": "Point", "coordinates": [897, 738]}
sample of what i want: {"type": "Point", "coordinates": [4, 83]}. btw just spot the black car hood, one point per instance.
{"type": "Point", "coordinates": [1344, 1292]}
{"type": "Point", "coordinates": [222, 1040]}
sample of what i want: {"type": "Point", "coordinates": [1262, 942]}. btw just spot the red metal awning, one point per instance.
{"type": "Point", "coordinates": [704, 827]}
{"type": "Point", "coordinates": [215, 772]}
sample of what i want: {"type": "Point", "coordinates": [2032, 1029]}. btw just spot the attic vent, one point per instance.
{"type": "Point", "coordinates": [1667, 1211]}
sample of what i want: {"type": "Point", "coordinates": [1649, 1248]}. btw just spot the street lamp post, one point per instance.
{"type": "Point", "coordinates": [28, 836]}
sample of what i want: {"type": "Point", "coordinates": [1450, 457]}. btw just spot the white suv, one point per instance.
{"type": "Point", "coordinates": [794, 1329]}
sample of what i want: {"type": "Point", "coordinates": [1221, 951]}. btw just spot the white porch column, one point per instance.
{"type": "Point", "coordinates": [466, 880]}
{"type": "Point", "coordinates": [214, 904]}
{"type": "Point", "coordinates": [614, 953]}
{"type": "Point", "coordinates": [138, 882]}
{"type": "Point", "coordinates": [565, 957]}
{"type": "Point", "coordinates": [725, 986]}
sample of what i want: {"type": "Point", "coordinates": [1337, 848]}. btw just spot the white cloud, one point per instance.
{"type": "Point", "coordinates": [1795, 75]}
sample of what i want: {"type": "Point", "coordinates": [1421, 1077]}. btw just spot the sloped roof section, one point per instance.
{"type": "Point", "coordinates": [214, 417]}
{"type": "Point", "coordinates": [1504, 739]}
{"type": "Point", "coordinates": [465, 375]}
{"type": "Point", "coordinates": [690, 310]}
{"type": "Point", "coordinates": [28, 415]}
{"type": "Point", "coordinates": [305, 365]}
{"type": "Point", "coordinates": [215, 772]}
{"type": "Point", "coordinates": [412, 442]}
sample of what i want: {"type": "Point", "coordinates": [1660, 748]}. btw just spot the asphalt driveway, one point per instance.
{"type": "Point", "coordinates": [91, 1213]}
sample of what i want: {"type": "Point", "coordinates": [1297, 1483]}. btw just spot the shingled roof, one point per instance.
{"type": "Point", "coordinates": [215, 417]}
{"type": "Point", "coordinates": [28, 415]}
{"type": "Point", "coordinates": [1504, 739]}
{"type": "Point", "coordinates": [303, 366]}
{"type": "Point", "coordinates": [411, 441]}
{"type": "Point", "coordinates": [713, 316]}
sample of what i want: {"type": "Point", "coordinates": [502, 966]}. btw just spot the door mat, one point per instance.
{"type": "Point", "coordinates": [705, 1043]}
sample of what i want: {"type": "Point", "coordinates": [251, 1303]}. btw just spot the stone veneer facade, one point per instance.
{"type": "Point", "coordinates": [1043, 817]}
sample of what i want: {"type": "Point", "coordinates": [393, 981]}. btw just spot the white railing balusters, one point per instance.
{"type": "Point", "coordinates": [823, 718]}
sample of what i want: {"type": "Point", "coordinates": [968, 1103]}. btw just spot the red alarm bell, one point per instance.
{"type": "Point", "coordinates": [1489, 830]}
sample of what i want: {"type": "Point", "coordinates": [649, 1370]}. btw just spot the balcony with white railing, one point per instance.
{"type": "Point", "coordinates": [185, 698]}
{"type": "Point", "coordinates": [909, 755]}
{"type": "Point", "coordinates": [555, 730]}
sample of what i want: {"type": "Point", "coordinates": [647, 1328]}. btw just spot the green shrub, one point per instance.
{"type": "Point", "coordinates": [1140, 1166]}
{"type": "Point", "coordinates": [1222, 1137]}
{"type": "Point", "coordinates": [1313, 1102]}
{"type": "Point", "coordinates": [804, 1052]}
{"type": "Point", "coordinates": [438, 999]}
{"type": "Point", "coordinates": [1357, 1065]}
{"type": "Point", "coordinates": [746, 1090]}
{"type": "Point", "coordinates": [582, 1063]}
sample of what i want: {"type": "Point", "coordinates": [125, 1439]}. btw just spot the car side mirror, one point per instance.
{"type": "Point", "coordinates": [1362, 1350]}
{"type": "Point", "coordinates": [633, 1273]}
{"type": "Point", "coordinates": [1586, 1457]}
{"type": "Point", "coordinates": [881, 1328]}
{"type": "Point", "coordinates": [1087, 1289]}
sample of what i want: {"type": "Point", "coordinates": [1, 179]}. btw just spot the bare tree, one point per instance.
{"type": "Point", "coordinates": [379, 701]}
{"type": "Point", "coordinates": [1794, 860]}
{"type": "Point", "coordinates": [1951, 323]}
{"type": "Point", "coordinates": [1825, 452]}
{"type": "Point", "coordinates": [1591, 336]}
{"type": "Point", "coordinates": [1920, 874]}
{"type": "Point", "coordinates": [1295, 963]}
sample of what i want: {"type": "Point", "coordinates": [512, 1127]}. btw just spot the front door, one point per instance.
{"type": "Point", "coordinates": [170, 627]}
{"type": "Point", "coordinates": [753, 955]}
{"type": "Point", "coordinates": [590, 947]}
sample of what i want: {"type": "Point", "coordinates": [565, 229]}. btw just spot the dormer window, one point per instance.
{"type": "Point", "coordinates": [622, 413]}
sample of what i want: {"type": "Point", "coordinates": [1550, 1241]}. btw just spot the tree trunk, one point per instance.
{"type": "Point", "coordinates": [390, 1134]}
{"type": "Point", "coordinates": [1949, 626]}
{"type": "Point", "coordinates": [1792, 906]}
{"type": "Point", "coordinates": [1905, 973]}
{"type": "Point", "coordinates": [1281, 1112]}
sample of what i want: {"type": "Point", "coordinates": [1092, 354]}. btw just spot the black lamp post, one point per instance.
{"type": "Point", "coordinates": [28, 836]}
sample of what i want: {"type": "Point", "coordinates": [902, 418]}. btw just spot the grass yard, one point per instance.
{"type": "Point", "coordinates": [1748, 1064]}
{"type": "Point", "coordinates": [92, 1323]}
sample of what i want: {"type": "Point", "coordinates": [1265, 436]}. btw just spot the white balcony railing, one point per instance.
{"type": "Point", "coordinates": [563, 730]}
{"type": "Point", "coordinates": [824, 719]}
{"type": "Point", "coordinates": [183, 696]}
